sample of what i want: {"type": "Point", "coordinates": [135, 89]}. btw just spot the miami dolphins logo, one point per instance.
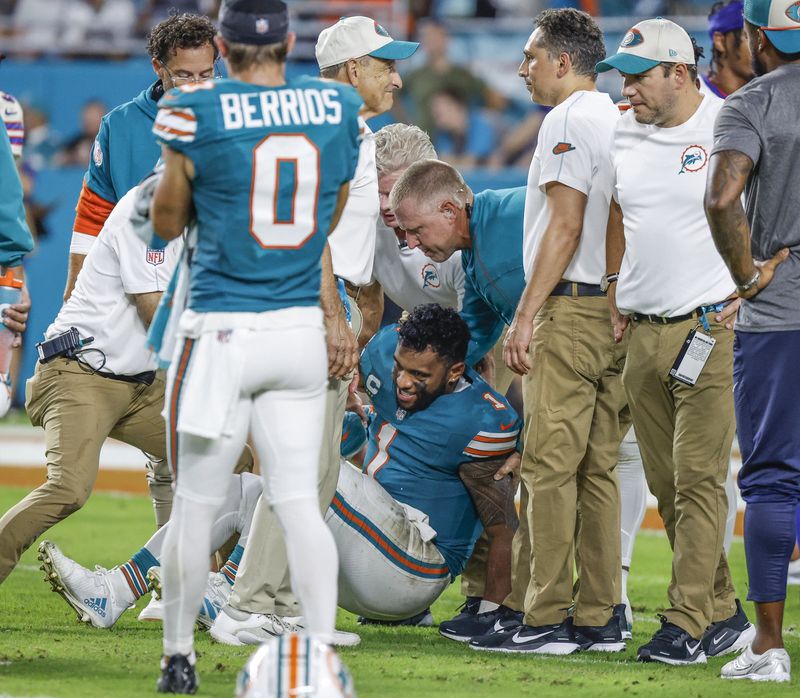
{"type": "Point", "coordinates": [693, 159]}
{"type": "Point", "coordinates": [380, 30]}
{"type": "Point", "coordinates": [793, 12]}
{"type": "Point", "coordinates": [430, 277]}
{"type": "Point", "coordinates": [632, 38]}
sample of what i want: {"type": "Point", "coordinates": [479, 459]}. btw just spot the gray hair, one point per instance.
{"type": "Point", "coordinates": [429, 182]}
{"type": "Point", "coordinates": [399, 145]}
{"type": "Point", "coordinates": [332, 72]}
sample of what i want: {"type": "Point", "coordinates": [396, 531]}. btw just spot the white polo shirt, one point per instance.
{"type": "Point", "coordinates": [573, 149]}
{"type": "Point", "coordinates": [670, 265]}
{"type": "Point", "coordinates": [410, 278]}
{"type": "Point", "coordinates": [118, 265]}
{"type": "Point", "coordinates": [352, 242]}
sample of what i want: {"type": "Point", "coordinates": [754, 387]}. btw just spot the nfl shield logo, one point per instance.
{"type": "Point", "coordinates": [262, 25]}
{"type": "Point", "coordinates": [154, 257]}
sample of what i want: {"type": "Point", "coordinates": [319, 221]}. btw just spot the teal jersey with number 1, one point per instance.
{"type": "Point", "coordinates": [269, 163]}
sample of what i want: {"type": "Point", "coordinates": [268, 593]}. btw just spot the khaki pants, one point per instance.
{"type": "Point", "coordinates": [473, 578]}
{"type": "Point", "coordinates": [685, 435]}
{"type": "Point", "coordinates": [573, 396]}
{"type": "Point", "coordinates": [262, 583]}
{"type": "Point", "coordinates": [78, 412]}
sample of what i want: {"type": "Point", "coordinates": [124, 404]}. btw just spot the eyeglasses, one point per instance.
{"type": "Point", "coordinates": [187, 79]}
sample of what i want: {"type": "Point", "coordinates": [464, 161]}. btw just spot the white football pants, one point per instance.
{"type": "Point", "coordinates": [280, 400]}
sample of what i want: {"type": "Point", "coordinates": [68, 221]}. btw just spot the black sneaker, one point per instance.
{"type": "Point", "coordinates": [672, 645]}
{"type": "Point", "coordinates": [470, 607]}
{"type": "Point", "coordinates": [464, 627]}
{"type": "Point", "coordinates": [624, 628]}
{"type": "Point", "coordinates": [544, 639]}
{"type": "Point", "coordinates": [423, 619]}
{"type": "Point", "coordinates": [177, 676]}
{"type": "Point", "coordinates": [600, 638]}
{"type": "Point", "coordinates": [727, 636]}
{"type": "Point", "coordinates": [504, 625]}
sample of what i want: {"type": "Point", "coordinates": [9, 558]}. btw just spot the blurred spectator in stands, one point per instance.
{"type": "Point", "coordinates": [39, 22]}
{"type": "Point", "coordinates": [77, 149]}
{"type": "Point", "coordinates": [454, 8]}
{"type": "Point", "coordinates": [48, 25]}
{"type": "Point", "coordinates": [438, 73]}
{"type": "Point", "coordinates": [41, 142]}
{"type": "Point", "coordinates": [518, 143]}
{"type": "Point", "coordinates": [731, 65]}
{"type": "Point", "coordinates": [97, 20]}
{"type": "Point", "coordinates": [155, 11]}
{"type": "Point", "coordinates": [464, 137]}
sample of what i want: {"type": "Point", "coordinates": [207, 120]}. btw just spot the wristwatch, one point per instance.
{"type": "Point", "coordinates": [607, 280]}
{"type": "Point", "coordinates": [745, 287]}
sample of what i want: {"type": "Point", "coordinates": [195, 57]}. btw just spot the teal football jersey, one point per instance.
{"type": "Point", "coordinates": [416, 456]}
{"type": "Point", "coordinates": [269, 163]}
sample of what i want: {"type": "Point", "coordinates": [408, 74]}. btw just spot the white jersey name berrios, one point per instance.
{"type": "Point", "coordinates": [670, 265]}
{"type": "Point", "coordinates": [574, 149]}
{"type": "Point", "coordinates": [299, 107]}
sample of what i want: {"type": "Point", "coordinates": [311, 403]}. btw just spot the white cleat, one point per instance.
{"type": "Point", "coordinates": [154, 611]}
{"type": "Point", "coordinates": [217, 592]}
{"type": "Point", "coordinates": [773, 665]}
{"type": "Point", "coordinates": [92, 594]}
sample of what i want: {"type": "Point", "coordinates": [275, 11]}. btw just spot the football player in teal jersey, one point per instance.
{"type": "Point", "coordinates": [264, 165]}
{"type": "Point", "coordinates": [182, 52]}
{"type": "Point", "coordinates": [439, 445]}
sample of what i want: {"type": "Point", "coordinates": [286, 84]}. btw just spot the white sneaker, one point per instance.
{"type": "Point", "coordinates": [237, 628]}
{"type": "Point", "coordinates": [341, 638]}
{"type": "Point", "coordinates": [773, 665]}
{"type": "Point", "coordinates": [217, 592]}
{"type": "Point", "coordinates": [793, 577]}
{"type": "Point", "coordinates": [97, 597]}
{"type": "Point", "coordinates": [154, 611]}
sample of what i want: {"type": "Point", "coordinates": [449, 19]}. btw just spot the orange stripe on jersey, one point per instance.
{"type": "Point", "coordinates": [294, 641]}
{"type": "Point", "coordinates": [91, 212]}
{"type": "Point", "coordinates": [487, 454]}
{"type": "Point", "coordinates": [181, 114]}
{"type": "Point", "coordinates": [493, 440]}
{"type": "Point", "coordinates": [173, 131]}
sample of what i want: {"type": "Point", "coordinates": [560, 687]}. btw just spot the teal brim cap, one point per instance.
{"type": "Point", "coordinates": [785, 40]}
{"type": "Point", "coordinates": [626, 63]}
{"type": "Point", "coordinates": [396, 50]}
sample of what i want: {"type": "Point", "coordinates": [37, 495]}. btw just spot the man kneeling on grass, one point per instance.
{"type": "Point", "coordinates": [438, 469]}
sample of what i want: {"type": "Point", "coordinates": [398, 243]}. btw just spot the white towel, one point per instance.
{"type": "Point", "coordinates": [213, 381]}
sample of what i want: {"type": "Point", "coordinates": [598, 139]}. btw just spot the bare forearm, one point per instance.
{"type": "Point", "coordinates": [329, 299]}
{"type": "Point", "coordinates": [615, 239]}
{"type": "Point", "coordinates": [553, 256]}
{"type": "Point", "coordinates": [727, 177]}
{"type": "Point", "coordinates": [731, 233]}
{"type": "Point", "coordinates": [75, 266]}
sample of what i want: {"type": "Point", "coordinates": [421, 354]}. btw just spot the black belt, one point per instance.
{"type": "Point", "coordinates": [143, 378]}
{"type": "Point", "coordinates": [575, 289]}
{"type": "Point", "coordinates": [692, 315]}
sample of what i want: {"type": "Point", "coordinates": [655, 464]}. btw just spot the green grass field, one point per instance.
{"type": "Point", "coordinates": [44, 651]}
